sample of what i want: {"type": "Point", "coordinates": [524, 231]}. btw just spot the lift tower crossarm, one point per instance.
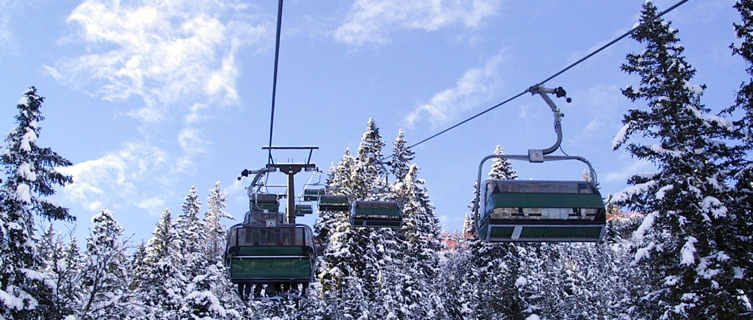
{"type": "Point", "coordinates": [291, 169]}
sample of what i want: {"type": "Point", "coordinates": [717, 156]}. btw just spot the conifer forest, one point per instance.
{"type": "Point", "coordinates": [677, 243]}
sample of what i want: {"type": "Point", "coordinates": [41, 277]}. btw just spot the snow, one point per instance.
{"type": "Point", "coordinates": [715, 206]}
{"type": "Point", "coordinates": [738, 272]}
{"type": "Point", "coordinates": [648, 222]}
{"type": "Point", "coordinates": [688, 251]}
{"type": "Point", "coordinates": [24, 170]}
{"type": "Point", "coordinates": [23, 100]}
{"type": "Point", "coordinates": [28, 139]}
{"type": "Point", "coordinates": [671, 280]}
{"type": "Point", "coordinates": [521, 282]}
{"type": "Point", "coordinates": [630, 191]}
{"type": "Point", "coordinates": [23, 193]}
{"type": "Point", "coordinates": [619, 139]}
{"type": "Point", "coordinates": [533, 317]}
{"type": "Point", "coordinates": [710, 118]}
{"type": "Point", "coordinates": [11, 301]}
{"type": "Point", "coordinates": [658, 149]}
{"type": "Point", "coordinates": [660, 193]}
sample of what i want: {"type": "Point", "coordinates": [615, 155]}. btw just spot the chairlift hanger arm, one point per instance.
{"type": "Point", "coordinates": [537, 154]}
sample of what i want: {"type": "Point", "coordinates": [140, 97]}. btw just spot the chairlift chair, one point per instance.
{"type": "Point", "coordinates": [540, 210]}
{"type": "Point", "coordinates": [335, 203]}
{"type": "Point", "coordinates": [303, 209]}
{"type": "Point", "coordinates": [376, 214]}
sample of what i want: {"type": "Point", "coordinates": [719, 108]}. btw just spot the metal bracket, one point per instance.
{"type": "Point", "coordinates": [535, 155]}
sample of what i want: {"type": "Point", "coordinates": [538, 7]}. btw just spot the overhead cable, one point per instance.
{"type": "Point", "coordinates": [556, 74]}
{"type": "Point", "coordinates": [274, 79]}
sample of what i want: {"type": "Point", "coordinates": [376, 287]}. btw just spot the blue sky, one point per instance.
{"type": "Point", "coordinates": [150, 97]}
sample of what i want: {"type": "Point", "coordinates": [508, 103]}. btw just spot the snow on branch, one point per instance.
{"type": "Point", "coordinates": [688, 251]}
{"type": "Point", "coordinates": [621, 136]}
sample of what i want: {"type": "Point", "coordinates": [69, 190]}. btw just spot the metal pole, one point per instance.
{"type": "Point", "coordinates": [291, 198]}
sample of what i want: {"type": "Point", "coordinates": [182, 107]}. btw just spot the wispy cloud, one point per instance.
{"type": "Point", "coordinates": [637, 166]}
{"type": "Point", "coordinates": [112, 178]}
{"type": "Point", "coordinates": [153, 204]}
{"type": "Point", "coordinates": [475, 85]}
{"type": "Point", "coordinates": [160, 51]}
{"type": "Point", "coordinates": [5, 32]}
{"type": "Point", "coordinates": [371, 21]}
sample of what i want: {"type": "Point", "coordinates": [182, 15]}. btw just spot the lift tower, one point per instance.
{"type": "Point", "coordinates": [290, 169]}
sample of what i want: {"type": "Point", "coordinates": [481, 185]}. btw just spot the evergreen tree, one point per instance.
{"type": "Point", "coordinates": [162, 285]}
{"type": "Point", "coordinates": [191, 236]}
{"type": "Point", "coordinates": [743, 197]}
{"type": "Point", "coordinates": [30, 179]}
{"type": "Point", "coordinates": [685, 238]}
{"type": "Point", "coordinates": [402, 156]}
{"type": "Point", "coordinates": [420, 247]}
{"type": "Point", "coordinates": [744, 99]}
{"type": "Point", "coordinates": [104, 280]}
{"type": "Point", "coordinates": [502, 168]}
{"type": "Point", "coordinates": [366, 176]}
{"type": "Point", "coordinates": [496, 267]}
{"type": "Point", "coordinates": [215, 230]}
{"type": "Point", "coordinates": [63, 267]}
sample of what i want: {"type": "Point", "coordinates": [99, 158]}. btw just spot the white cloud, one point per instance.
{"type": "Point", "coordinates": [161, 51]}
{"type": "Point", "coordinates": [192, 144]}
{"type": "Point", "coordinates": [370, 21]}
{"type": "Point", "coordinates": [109, 180]}
{"type": "Point", "coordinates": [152, 205]}
{"type": "Point", "coordinates": [475, 85]}
{"type": "Point", "coordinates": [635, 167]}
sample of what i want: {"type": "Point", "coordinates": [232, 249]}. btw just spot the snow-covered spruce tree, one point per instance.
{"type": "Point", "coordinates": [743, 198]}
{"type": "Point", "coordinates": [419, 250]}
{"type": "Point", "coordinates": [496, 266]}
{"type": "Point", "coordinates": [215, 230]}
{"type": "Point", "coordinates": [30, 177]}
{"type": "Point", "coordinates": [192, 236]}
{"type": "Point", "coordinates": [200, 301]}
{"type": "Point", "coordinates": [402, 156]}
{"type": "Point", "coordinates": [744, 99]}
{"type": "Point", "coordinates": [61, 272]}
{"type": "Point", "coordinates": [354, 253]}
{"type": "Point", "coordinates": [138, 266]}
{"type": "Point", "coordinates": [105, 278]}
{"type": "Point", "coordinates": [687, 237]}
{"type": "Point", "coordinates": [162, 285]}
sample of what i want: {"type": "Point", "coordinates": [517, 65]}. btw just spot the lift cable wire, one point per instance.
{"type": "Point", "coordinates": [274, 79]}
{"type": "Point", "coordinates": [558, 73]}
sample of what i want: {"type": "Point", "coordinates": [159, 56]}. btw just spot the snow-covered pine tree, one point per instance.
{"type": "Point", "coordinates": [215, 230]}
{"type": "Point", "coordinates": [65, 278]}
{"type": "Point", "coordinates": [502, 168]}
{"type": "Point", "coordinates": [402, 156]}
{"type": "Point", "coordinates": [352, 253]}
{"type": "Point", "coordinates": [419, 250]}
{"type": "Point", "coordinates": [30, 178]}
{"type": "Point", "coordinates": [496, 266]}
{"type": "Point", "coordinates": [367, 174]}
{"type": "Point", "coordinates": [685, 238]}
{"type": "Point", "coordinates": [138, 266]}
{"type": "Point", "coordinates": [744, 99]}
{"type": "Point", "coordinates": [192, 236]}
{"type": "Point", "coordinates": [200, 301]}
{"type": "Point", "coordinates": [105, 278]}
{"type": "Point", "coordinates": [162, 285]}
{"type": "Point", "coordinates": [743, 198]}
